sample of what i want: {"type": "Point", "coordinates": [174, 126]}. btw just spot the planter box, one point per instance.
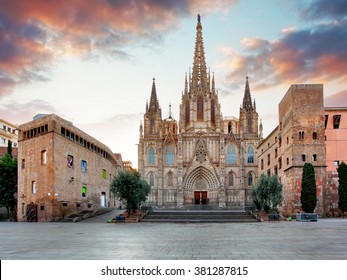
{"type": "Point", "coordinates": [307, 217]}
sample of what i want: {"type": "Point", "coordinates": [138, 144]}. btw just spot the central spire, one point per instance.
{"type": "Point", "coordinates": [199, 77]}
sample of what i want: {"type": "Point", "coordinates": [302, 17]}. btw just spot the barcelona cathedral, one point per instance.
{"type": "Point", "coordinates": [201, 158]}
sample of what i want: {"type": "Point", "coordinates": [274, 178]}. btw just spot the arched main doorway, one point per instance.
{"type": "Point", "coordinates": [201, 186]}
{"type": "Point", "coordinates": [200, 191]}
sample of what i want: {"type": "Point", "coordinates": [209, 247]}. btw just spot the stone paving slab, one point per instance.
{"type": "Point", "coordinates": [324, 240]}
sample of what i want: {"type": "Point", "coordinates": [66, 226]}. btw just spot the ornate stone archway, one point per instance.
{"type": "Point", "coordinates": [201, 179]}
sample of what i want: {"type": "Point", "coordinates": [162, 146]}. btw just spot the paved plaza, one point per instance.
{"type": "Point", "coordinates": [96, 239]}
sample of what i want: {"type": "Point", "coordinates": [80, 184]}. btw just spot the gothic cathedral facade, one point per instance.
{"type": "Point", "coordinates": [203, 159]}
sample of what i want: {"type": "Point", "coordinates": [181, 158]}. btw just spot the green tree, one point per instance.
{"type": "Point", "coordinates": [130, 187]}
{"type": "Point", "coordinates": [8, 181]}
{"type": "Point", "coordinates": [342, 173]}
{"type": "Point", "coordinates": [255, 197]}
{"type": "Point", "coordinates": [267, 194]}
{"type": "Point", "coordinates": [308, 189]}
{"type": "Point", "coordinates": [9, 147]}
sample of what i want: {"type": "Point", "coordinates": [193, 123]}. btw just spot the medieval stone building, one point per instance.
{"type": "Point", "coordinates": [299, 138]}
{"type": "Point", "coordinates": [62, 170]}
{"type": "Point", "coordinates": [203, 159]}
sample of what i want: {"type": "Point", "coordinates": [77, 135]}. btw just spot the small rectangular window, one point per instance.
{"type": "Point", "coordinates": [104, 174]}
{"type": "Point", "coordinates": [337, 119]}
{"type": "Point", "coordinates": [336, 163]}
{"type": "Point", "coordinates": [69, 160]}
{"type": "Point", "coordinates": [33, 187]}
{"type": "Point", "coordinates": [43, 157]}
{"type": "Point", "coordinates": [42, 207]}
{"type": "Point", "coordinates": [84, 191]}
{"type": "Point", "coordinates": [326, 121]}
{"type": "Point", "coordinates": [23, 163]}
{"type": "Point", "coordinates": [83, 166]}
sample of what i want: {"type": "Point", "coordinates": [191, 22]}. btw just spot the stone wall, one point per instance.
{"type": "Point", "coordinates": [62, 170]}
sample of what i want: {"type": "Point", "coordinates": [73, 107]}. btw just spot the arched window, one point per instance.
{"type": "Point", "coordinates": [231, 178]}
{"type": "Point", "coordinates": [170, 156]}
{"type": "Point", "coordinates": [303, 157]}
{"type": "Point", "coordinates": [231, 155]}
{"type": "Point", "coordinates": [200, 109]}
{"type": "Point", "coordinates": [187, 116]}
{"type": "Point", "coordinates": [314, 135]}
{"type": "Point", "coordinates": [170, 179]}
{"type": "Point", "coordinates": [213, 113]}
{"type": "Point", "coordinates": [151, 179]}
{"type": "Point", "coordinates": [250, 155]}
{"type": "Point", "coordinates": [151, 155]}
{"type": "Point", "coordinates": [250, 179]}
{"type": "Point", "coordinates": [229, 127]}
{"type": "Point", "coordinates": [314, 157]}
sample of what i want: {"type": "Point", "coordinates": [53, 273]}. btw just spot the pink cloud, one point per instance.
{"type": "Point", "coordinates": [299, 56]}
{"type": "Point", "coordinates": [33, 33]}
{"type": "Point", "coordinates": [338, 99]}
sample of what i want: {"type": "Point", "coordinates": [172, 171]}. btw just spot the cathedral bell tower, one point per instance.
{"type": "Point", "coordinates": [248, 114]}
{"type": "Point", "coordinates": [152, 117]}
{"type": "Point", "coordinates": [200, 108]}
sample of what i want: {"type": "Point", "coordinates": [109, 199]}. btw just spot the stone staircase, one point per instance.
{"type": "Point", "coordinates": [199, 216]}
{"type": "Point", "coordinates": [85, 214]}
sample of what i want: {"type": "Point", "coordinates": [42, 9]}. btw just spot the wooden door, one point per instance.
{"type": "Point", "coordinates": [203, 197]}
{"type": "Point", "coordinates": [196, 197]}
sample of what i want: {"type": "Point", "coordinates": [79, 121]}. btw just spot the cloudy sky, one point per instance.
{"type": "Point", "coordinates": [92, 62]}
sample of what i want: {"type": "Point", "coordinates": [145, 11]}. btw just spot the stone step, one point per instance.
{"type": "Point", "coordinates": [209, 217]}
{"type": "Point", "coordinates": [251, 220]}
{"type": "Point", "coordinates": [217, 216]}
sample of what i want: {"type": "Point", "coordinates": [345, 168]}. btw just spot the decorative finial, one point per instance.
{"type": "Point", "coordinates": [199, 18]}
